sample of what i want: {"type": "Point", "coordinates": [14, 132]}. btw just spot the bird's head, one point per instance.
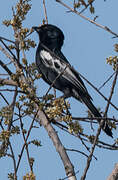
{"type": "Point", "coordinates": [50, 35]}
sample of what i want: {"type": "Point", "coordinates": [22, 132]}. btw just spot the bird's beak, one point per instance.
{"type": "Point", "coordinates": [36, 28]}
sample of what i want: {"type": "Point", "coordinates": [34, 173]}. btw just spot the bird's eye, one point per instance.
{"type": "Point", "coordinates": [52, 34]}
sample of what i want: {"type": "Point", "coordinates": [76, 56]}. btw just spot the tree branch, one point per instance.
{"type": "Point", "coordinates": [5, 68]}
{"type": "Point", "coordinates": [106, 99]}
{"type": "Point", "coordinates": [84, 17]}
{"type": "Point", "coordinates": [111, 94]}
{"type": "Point", "coordinates": [114, 174]}
{"type": "Point", "coordinates": [8, 82]}
{"type": "Point", "coordinates": [58, 145]}
{"type": "Point", "coordinates": [45, 12]}
{"type": "Point", "coordinates": [92, 150]}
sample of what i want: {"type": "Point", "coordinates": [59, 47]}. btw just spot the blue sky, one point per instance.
{"type": "Point", "coordinates": [86, 47]}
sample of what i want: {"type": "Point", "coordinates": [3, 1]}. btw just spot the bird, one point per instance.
{"type": "Point", "coordinates": [58, 72]}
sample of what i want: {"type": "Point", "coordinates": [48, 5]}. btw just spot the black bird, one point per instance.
{"type": "Point", "coordinates": [57, 71]}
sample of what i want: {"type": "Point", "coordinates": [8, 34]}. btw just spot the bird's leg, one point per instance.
{"type": "Point", "coordinates": [54, 92]}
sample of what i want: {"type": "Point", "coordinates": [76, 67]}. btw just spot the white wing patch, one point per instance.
{"type": "Point", "coordinates": [59, 66]}
{"type": "Point", "coordinates": [45, 55]}
{"type": "Point", "coordinates": [46, 58]}
{"type": "Point", "coordinates": [52, 62]}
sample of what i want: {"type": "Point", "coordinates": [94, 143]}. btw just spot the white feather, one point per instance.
{"type": "Point", "coordinates": [50, 61]}
{"type": "Point", "coordinates": [45, 55]}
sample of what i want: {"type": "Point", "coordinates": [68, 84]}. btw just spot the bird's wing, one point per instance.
{"type": "Point", "coordinates": [61, 66]}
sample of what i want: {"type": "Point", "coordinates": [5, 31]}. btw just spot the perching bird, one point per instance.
{"type": "Point", "coordinates": [57, 71]}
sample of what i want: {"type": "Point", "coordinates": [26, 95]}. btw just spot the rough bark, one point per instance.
{"type": "Point", "coordinates": [58, 145]}
{"type": "Point", "coordinates": [114, 174]}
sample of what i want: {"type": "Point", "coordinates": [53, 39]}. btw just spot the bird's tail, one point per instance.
{"type": "Point", "coordinates": [96, 113]}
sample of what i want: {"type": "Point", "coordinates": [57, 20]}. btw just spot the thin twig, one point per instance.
{"type": "Point", "coordinates": [88, 19]}
{"type": "Point", "coordinates": [12, 108]}
{"type": "Point", "coordinates": [13, 59]}
{"type": "Point", "coordinates": [4, 74]}
{"type": "Point", "coordinates": [6, 39]}
{"type": "Point", "coordinates": [8, 129]}
{"type": "Point", "coordinates": [88, 119]}
{"type": "Point", "coordinates": [107, 146]}
{"type": "Point", "coordinates": [4, 98]}
{"type": "Point", "coordinates": [14, 161]}
{"type": "Point", "coordinates": [65, 128]}
{"type": "Point", "coordinates": [12, 90]}
{"type": "Point", "coordinates": [106, 99]}
{"type": "Point", "coordinates": [74, 150]}
{"type": "Point", "coordinates": [8, 49]}
{"type": "Point", "coordinates": [22, 150]}
{"type": "Point", "coordinates": [92, 151]}
{"type": "Point", "coordinates": [5, 68]}
{"type": "Point", "coordinates": [45, 12]}
{"type": "Point", "coordinates": [9, 56]}
{"type": "Point", "coordinates": [111, 94]}
{"type": "Point", "coordinates": [87, 5]}
{"type": "Point", "coordinates": [106, 81]}
{"type": "Point", "coordinates": [25, 142]}
{"type": "Point", "coordinates": [100, 144]}
{"type": "Point", "coordinates": [8, 82]}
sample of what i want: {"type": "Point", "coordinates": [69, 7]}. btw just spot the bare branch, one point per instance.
{"type": "Point", "coordinates": [22, 150]}
{"type": "Point", "coordinates": [88, 119]}
{"type": "Point", "coordinates": [61, 126]}
{"type": "Point", "coordinates": [8, 82]}
{"type": "Point", "coordinates": [25, 142]}
{"type": "Point", "coordinates": [8, 49]}
{"type": "Point", "coordinates": [58, 145]}
{"type": "Point", "coordinates": [100, 144]}
{"type": "Point", "coordinates": [5, 68]}
{"type": "Point", "coordinates": [87, 5]}
{"type": "Point", "coordinates": [92, 150]}
{"type": "Point", "coordinates": [8, 56]}
{"type": "Point", "coordinates": [106, 81]}
{"type": "Point", "coordinates": [111, 94]}
{"type": "Point", "coordinates": [14, 161]}
{"type": "Point", "coordinates": [6, 39]}
{"type": "Point", "coordinates": [12, 90]}
{"type": "Point", "coordinates": [45, 11]}
{"type": "Point", "coordinates": [84, 17]}
{"type": "Point", "coordinates": [114, 174]}
{"type": "Point", "coordinates": [98, 91]}
{"type": "Point", "coordinates": [4, 98]}
{"type": "Point", "coordinates": [74, 150]}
